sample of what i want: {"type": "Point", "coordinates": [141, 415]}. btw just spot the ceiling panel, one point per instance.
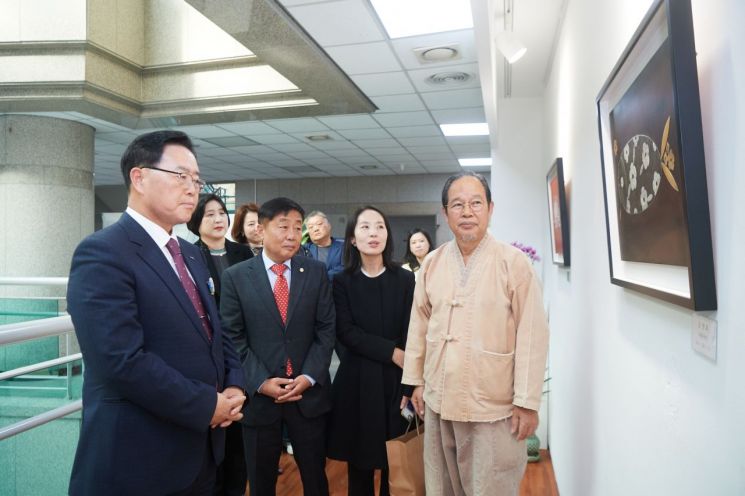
{"type": "Point", "coordinates": [376, 143]}
{"type": "Point", "coordinates": [453, 99]}
{"type": "Point", "coordinates": [385, 83]}
{"type": "Point", "coordinates": [414, 131]}
{"type": "Point", "coordinates": [365, 58]}
{"type": "Point", "coordinates": [398, 103]}
{"type": "Point", "coordinates": [381, 152]}
{"type": "Point", "coordinates": [300, 125]}
{"type": "Point", "coordinates": [274, 139]}
{"type": "Point", "coordinates": [423, 141]}
{"type": "Point", "coordinates": [343, 122]}
{"type": "Point", "coordinates": [205, 131]}
{"type": "Point", "coordinates": [397, 119]}
{"type": "Point", "coordinates": [459, 116]}
{"type": "Point", "coordinates": [363, 134]}
{"type": "Point", "coordinates": [248, 129]}
{"type": "Point", "coordinates": [338, 23]}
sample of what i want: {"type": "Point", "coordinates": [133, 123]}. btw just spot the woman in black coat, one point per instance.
{"type": "Point", "coordinates": [373, 298]}
{"type": "Point", "coordinates": [210, 222]}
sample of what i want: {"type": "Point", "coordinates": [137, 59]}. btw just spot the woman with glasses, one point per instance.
{"type": "Point", "coordinates": [373, 298]}
{"type": "Point", "coordinates": [210, 222]}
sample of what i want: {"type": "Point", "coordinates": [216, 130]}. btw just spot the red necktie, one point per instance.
{"type": "Point", "coordinates": [282, 298]}
{"type": "Point", "coordinates": [189, 286]}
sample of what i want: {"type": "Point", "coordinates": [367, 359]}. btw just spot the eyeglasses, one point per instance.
{"type": "Point", "coordinates": [185, 178]}
{"type": "Point", "coordinates": [459, 206]}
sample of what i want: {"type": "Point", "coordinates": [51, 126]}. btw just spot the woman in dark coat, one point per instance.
{"type": "Point", "coordinates": [210, 222]}
{"type": "Point", "coordinates": [373, 298]}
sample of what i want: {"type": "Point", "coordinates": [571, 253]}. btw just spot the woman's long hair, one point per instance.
{"type": "Point", "coordinates": [352, 258]}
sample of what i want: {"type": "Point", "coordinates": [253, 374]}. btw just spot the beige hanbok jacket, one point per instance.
{"type": "Point", "coordinates": [478, 335]}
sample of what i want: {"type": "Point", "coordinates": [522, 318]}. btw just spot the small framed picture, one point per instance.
{"type": "Point", "coordinates": [558, 214]}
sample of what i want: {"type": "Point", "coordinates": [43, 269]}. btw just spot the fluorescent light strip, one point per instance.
{"type": "Point", "coordinates": [472, 129]}
{"type": "Point", "coordinates": [474, 162]}
{"type": "Point", "coordinates": [414, 17]}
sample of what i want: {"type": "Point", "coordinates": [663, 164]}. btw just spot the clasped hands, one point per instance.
{"type": "Point", "coordinates": [284, 390]}
{"type": "Point", "coordinates": [228, 408]}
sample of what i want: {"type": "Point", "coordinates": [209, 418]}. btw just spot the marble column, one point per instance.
{"type": "Point", "coordinates": [46, 196]}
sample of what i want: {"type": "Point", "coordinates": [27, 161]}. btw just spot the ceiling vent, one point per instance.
{"type": "Point", "coordinates": [448, 78]}
{"type": "Point", "coordinates": [438, 54]}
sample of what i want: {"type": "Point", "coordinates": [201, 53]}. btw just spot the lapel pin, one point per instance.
{"type": "Point", "coordinates": [302, 269]}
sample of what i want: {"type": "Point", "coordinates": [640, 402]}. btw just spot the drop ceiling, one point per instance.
{"type": "Point", "coordinates": [401, 137]}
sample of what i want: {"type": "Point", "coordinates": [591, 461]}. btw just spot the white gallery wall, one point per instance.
{"type": "Point", "coordinates": [634, 410]}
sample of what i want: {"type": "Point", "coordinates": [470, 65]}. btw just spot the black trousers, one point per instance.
{"type": "Point", "coordinates": [232, 474]}
{"type": "Point", "coordinates": [204, 483]}
{"type": "Point", "coordinates": [362, 481]}
{"type": "Point", "coordinates": [263, 445]}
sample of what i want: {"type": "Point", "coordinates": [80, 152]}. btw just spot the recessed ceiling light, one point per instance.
{"type": "Point", "coordinates": [415, 17]}
{"type": "Point", "coordinates": [318, 137]}
{"type": "Point", "coordinates": [474, 162]}
{"type": "Point", "coordinates": [368, 167]}
{"type": "Point", "coordinates": [471, 129]}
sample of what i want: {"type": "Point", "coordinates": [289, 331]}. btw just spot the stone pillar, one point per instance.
{"type": "Point", "coordinates": [46, 196]}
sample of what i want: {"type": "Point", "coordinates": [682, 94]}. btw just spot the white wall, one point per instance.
{"type": "Point", "coordinates": [634, 410]}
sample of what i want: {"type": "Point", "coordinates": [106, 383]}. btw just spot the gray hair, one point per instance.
{"type": "Point", "coordinates": [316, 213]}
{"type": "Point", "coordinates": [455, 177]}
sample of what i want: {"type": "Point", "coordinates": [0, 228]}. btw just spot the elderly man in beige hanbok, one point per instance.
{"type": "Point", "coordinates": [476, 352]}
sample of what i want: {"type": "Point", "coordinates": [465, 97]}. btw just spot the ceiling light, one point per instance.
{"type": "Point", "coordinates": [512, 48]}
{"type": "Point", "coordinates": [318, 137]}
{"type": "Point", "coordinates": [474, 162]}
{"type": "Point", "coordinates": [368, 167]}
{"type": "Point", "coordinates": [472, 129]}
{"type": "Point", "coordinates": [415, 17]}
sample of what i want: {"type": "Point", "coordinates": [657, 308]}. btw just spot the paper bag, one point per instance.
{"type": "Point", "coordinates": [406, 464]}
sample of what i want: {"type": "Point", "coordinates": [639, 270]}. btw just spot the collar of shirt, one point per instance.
{"type": "Point", "coordinates": [157, 233]}
{"type": "Point", "coordinates": [268, 262]}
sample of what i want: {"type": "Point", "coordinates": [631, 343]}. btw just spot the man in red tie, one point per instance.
{"type": "Point", "coordinates": [278, 310]}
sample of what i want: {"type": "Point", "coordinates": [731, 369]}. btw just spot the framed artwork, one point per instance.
{"type": "Point", "coordinates": [654, 175]}
{"type": "Point", "coordinates": [558, 214]}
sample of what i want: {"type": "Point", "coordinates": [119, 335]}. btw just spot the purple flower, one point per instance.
{"type": "Point", "coordinates": [529, 251]}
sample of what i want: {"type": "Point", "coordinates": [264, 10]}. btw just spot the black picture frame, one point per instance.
{"type": "Point", "coordinates": [656, 200]}
{"type": "Point", "coordinates": [558, 214]}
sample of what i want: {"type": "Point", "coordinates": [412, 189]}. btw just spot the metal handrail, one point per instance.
{"type": "Point", "coordinates": [26, 331]}
{"type": "Point", "coordinates": [9, 374]}
{"type": "Point", "coordinates": [34, 329]}
{"type": "Point", "coordinates": [33, 281]}
{"type": "Point", "coordinates": [42, 418]}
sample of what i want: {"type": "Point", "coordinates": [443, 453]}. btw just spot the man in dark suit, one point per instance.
{"type": "Point", "coordinates": [322, 246]}
{"type": "Point", "coordinates": [278, 310]}
{"type": "Point", "coordinates": [161, 381]}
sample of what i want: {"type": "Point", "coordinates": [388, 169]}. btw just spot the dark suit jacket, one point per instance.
{"type": "Point", "coordinates": [235, 252]}
{"type": "Point", "coordinates": [151, 374]}
{"type": "Point", "coordinates": [334, 263]}
{"type": "Point", "coordinates": [251, 319]}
